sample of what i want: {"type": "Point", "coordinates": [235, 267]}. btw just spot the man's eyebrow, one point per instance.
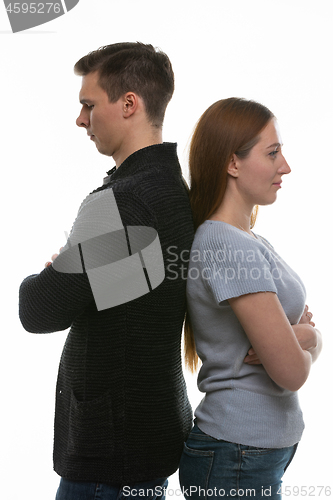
{"type": "Point", "coordinates": [85, 101]}
{"type": "Point", "coordinates": [275, 145]}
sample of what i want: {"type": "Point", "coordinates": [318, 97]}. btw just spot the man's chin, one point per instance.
{"type": "Point", "coordinates": [102, 151]}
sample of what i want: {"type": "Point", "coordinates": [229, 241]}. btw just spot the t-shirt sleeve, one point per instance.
{"type": "Point", "coordinates": [234, 263]}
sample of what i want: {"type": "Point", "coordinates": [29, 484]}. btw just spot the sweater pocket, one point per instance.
{"type": "Point", "coordinates": [91, 432]}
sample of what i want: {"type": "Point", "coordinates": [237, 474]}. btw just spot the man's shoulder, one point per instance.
{"type": "Point", "coordinates": [122, 203]}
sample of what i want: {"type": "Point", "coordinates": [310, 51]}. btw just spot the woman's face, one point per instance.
{"type": "Point", "coordinates": [259, 176]}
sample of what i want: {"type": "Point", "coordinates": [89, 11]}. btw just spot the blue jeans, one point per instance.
{"type": "Point", "coordinates": [212, 468]}
{"type": "Point", "coordinates": [74, 490]}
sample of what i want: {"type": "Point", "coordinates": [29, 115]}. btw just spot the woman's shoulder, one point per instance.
{"type": "Point", "coordinates": [219, 232]}
{"type": "Point", "coordinates": [213, 237]}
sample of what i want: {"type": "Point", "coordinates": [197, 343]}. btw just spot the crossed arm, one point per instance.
{"type": "Point", "coordinates": [285, 351]}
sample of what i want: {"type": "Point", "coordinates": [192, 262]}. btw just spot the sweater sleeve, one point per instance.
{"type": "Point", "coordinates": [50, 301]}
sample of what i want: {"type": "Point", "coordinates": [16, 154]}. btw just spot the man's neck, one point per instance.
{"type": "Point", "coordinates": [136, 142]}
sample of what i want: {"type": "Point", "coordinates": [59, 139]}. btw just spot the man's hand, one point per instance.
{"type": "Point", "coordinates": [54, 256]}
{"type": "Point", "coordinates": [307, 339]}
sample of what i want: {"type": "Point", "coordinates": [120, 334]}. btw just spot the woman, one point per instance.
{"type": "Point", "coordinates": [247, 317]}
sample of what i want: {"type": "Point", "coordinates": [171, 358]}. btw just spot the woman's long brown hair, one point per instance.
{"type": "Point", "coordinates": [227, 127]}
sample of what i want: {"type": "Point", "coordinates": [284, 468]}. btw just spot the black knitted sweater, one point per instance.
{"type": "Point", "coordinates": [122, 412]}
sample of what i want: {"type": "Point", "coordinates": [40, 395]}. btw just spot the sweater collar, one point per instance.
{"type": "Point", "coordinates": [157, 155]}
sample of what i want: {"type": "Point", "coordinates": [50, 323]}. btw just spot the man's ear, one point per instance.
{"type": "Point", "coordinates": [130, 104]}
{"type": "Point", "coordinates": [233, 166]}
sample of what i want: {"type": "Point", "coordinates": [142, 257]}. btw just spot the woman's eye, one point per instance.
{"type": "Point", "coordinates": [273, 153]}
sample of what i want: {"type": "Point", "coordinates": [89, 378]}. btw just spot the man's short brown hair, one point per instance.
{"type": "Point", "coordinates": [133, 67]}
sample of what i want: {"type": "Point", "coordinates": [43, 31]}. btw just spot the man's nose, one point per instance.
{"type": "Point", "coordinates": [82, 120]}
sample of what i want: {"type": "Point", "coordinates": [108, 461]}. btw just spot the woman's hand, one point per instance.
{"type": "Point", "coordinates": [307, 337]}
{"type": "Point", "coordinates": [252, 358]}
{"type": "Point", "coordinates": [306, 317]}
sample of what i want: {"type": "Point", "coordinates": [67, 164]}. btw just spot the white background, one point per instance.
{"type": "Point", "coordinates": [278, 52]}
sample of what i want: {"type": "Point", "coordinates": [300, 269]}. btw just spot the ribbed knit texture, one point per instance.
{"type": "Point", "coordinates": [122, 412]}
{"type": "Point", "coordinates": [242, 403]}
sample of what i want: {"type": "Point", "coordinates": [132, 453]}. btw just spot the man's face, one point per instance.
{"type": "Point", "coordinates": [102, 119]}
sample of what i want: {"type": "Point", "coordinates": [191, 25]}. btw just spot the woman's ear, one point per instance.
{"type": "Point", "coordinates": [233, 166]}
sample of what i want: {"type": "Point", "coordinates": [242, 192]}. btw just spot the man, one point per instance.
{"type": "Point", "coordinates": [122, 412]}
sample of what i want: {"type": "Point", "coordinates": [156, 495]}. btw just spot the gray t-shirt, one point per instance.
{"type": "Point", "coordinates": [242, 403]}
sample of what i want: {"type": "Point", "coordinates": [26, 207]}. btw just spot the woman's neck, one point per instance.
{"type": "Point", "coordinates": [234, 212]}
{"type": "Point", "coordinates": [240, 223]}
